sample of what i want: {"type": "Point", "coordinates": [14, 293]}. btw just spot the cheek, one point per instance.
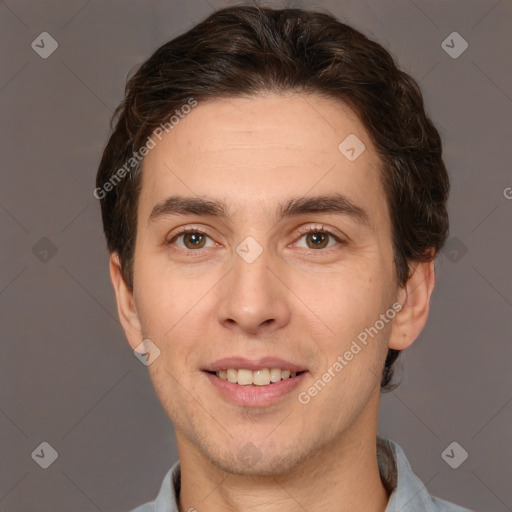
{"type": "Point", "coordinates": [351, 306]}
{"type": "Point", "coordinates": [165, 297]}
{"type": "Point", "coordinates": [174, 311]}
{"type": "Point", "coordinates": [350, 300]}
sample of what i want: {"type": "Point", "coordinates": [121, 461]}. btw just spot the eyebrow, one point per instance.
{"type": "Point", "coordinates": [332, 203]}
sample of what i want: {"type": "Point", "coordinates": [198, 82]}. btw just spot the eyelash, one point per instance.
{"type": "Point", "coordinates": [300, 233]}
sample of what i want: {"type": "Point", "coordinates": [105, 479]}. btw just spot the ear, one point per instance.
{"type": "Point", "coordinates": [415, 300]}
{"type": "Point", "coordinates": [126, 308]}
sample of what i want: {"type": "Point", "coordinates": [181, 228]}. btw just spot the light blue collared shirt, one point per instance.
{"type": "Point", "coordinates": [407, 492]}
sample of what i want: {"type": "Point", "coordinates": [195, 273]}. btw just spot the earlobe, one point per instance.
{"type": "Point", "coordinates": [126, 308]}
{"type": "Point", "coordinates": [415, 300]}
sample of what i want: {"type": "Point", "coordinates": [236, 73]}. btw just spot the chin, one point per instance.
{"type": "Point", "coordinates": [269, 461]}
{"type": "Point", "coordinates": [273, 466]}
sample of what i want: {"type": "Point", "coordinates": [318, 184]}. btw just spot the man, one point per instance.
{"type": "Point", "coordinates": [273, 198]}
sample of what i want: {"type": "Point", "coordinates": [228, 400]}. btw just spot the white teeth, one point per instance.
{"type": "Point", "coordinates": [275, 374]}
{"type": "Point", "coordinates": [259, 377]}
{"type": "Point", "coordinates": [244, 377]}
{"type": "Point", "coordinates": [262, 377]}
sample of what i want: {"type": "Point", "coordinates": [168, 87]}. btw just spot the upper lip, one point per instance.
{"type": "Point", "coordinates": [253, 364]}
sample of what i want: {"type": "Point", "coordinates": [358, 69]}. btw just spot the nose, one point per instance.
{"type": "Point", "coordinates": [254, 298]}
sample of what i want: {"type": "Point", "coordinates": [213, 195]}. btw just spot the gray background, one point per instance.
{"type": "Point", "coordinates": [67, 375]}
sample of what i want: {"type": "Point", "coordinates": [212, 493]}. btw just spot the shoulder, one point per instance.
{"type": "Point", "coordinates": [408, 493]}
{"type": "Point", "coordinates": [166, 501]}
{"type": "Point", "coordinates": [147, 507]}
{"type": "Point", "coordinates": [446, 506]}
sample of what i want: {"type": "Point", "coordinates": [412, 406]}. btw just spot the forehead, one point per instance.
{"type": "Point", "coordinates": [258, 149]}
{"type": "Point", "coordinates": [290, 124]}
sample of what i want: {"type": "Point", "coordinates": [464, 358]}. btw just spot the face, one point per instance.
{"type": "Point", "coordinates": [280, 281]}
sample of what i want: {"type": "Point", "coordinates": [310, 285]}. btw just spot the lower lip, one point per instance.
{"type": "Point", "coordinates": [255, 396]}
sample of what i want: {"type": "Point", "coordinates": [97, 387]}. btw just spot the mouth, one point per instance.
{"type": "Point", "coordinates": [254, 383]}
{"type": "Point", "coordinates": [260, 377]}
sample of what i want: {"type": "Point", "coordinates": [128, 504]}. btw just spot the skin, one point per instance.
{"type": "Point", "coordinates": [295, 301]}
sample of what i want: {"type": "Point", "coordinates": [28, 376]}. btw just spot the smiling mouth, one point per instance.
{"type": "Point", "coordinates": [262, 377]}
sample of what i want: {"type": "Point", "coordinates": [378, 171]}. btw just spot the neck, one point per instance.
{"type": "Point", "coordinates": [343, 476]}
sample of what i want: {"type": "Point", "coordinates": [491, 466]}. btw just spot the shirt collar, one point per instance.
{"type": "Point", "coordinates": [407, 491]}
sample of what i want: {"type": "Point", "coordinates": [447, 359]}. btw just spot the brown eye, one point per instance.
{"type": "Point", "coordinates": [194, 240]}
{"type": "Point", "coordinates": [191, 239]}
{"type": "Point", "coordinates": [319, 240]}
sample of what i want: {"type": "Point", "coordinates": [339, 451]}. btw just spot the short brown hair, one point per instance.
{"type": "Point", "coordinates": [246, 50]}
